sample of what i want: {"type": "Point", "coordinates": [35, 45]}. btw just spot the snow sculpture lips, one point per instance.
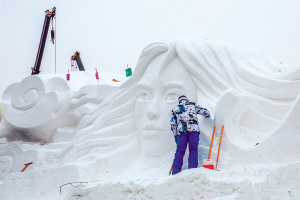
{"type": "Point", "coordinates": [151, 127]}
{"type": "Point", "coordinates": [151, 131]}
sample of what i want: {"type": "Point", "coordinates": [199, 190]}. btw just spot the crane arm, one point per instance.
{"type": "Point", "coordinates": [48, 17]}
{"type": "Point", "coordinates": [76, 57]}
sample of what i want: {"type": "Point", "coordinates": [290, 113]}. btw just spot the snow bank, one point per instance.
{"type": "Point", "coordinates": [112, 140]}
{"type": "Point", "coordinates": [255, 182]}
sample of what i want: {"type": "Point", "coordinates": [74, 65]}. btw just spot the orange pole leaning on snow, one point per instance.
{"type": "Point", "coordinates": [211, 143]}
{"type": "Point", "coordinates": [26, 165]}
{"type": "Point", "coordinates": [171, 169]}
{"type": "Point", "coordinates": [219, 147]}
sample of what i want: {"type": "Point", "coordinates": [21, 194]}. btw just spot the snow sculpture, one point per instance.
{"type": "Point", "coordinates": [46, 108]}
{"type": "Point", "coordinates": [251, 93]}
{"type": "Point", "coordinates": [114, 127]}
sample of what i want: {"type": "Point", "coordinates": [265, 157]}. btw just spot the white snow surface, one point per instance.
{"type": "Point", "coordinates": [112, 140]}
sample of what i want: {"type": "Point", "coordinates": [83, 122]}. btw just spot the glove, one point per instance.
{"type": "Point", "coordinates": [207, 116]}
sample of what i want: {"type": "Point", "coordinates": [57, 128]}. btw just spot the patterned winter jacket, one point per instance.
{"type": "Point", "coordinates": [184, 117]}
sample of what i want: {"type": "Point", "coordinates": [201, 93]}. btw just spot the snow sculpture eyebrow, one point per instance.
{"type": "Point", "coordinates": [144, 86]}
{"type": "Point", "coordinates": [168, 86]}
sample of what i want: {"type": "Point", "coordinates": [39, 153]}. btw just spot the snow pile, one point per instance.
{"type": "Point", "coordinates": [112, 140]}
{"type": "Point", "coordinates": [248, 182]}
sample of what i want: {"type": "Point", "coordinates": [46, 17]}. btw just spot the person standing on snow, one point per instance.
{"type": "Point", "coordinates": [184, 125]}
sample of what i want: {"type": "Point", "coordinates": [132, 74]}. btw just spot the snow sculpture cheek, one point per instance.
{"type": "Point", "coordinates": [157, 95]}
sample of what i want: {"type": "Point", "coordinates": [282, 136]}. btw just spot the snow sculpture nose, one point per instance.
{"type": "Point", "coordinates": [153, 113]}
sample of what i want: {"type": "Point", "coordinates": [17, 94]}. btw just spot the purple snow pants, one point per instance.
{"type": "Point", "coordinates": [193, 139]}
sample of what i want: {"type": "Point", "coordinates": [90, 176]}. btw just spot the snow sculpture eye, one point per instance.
{"type": "Point", "coordinates": [170, 98]}
{"type": "Point", "coordinates": [143, 97]}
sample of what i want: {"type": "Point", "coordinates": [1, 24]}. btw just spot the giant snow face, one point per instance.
{"type": "Point", "coordinates": [157, 94]}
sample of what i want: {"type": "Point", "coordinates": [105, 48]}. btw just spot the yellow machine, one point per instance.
{"type": "Point", "coordinates": [77, 58]}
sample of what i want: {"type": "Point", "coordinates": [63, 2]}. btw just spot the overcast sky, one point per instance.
{"type": "Point", "coordinates": [111, 34]}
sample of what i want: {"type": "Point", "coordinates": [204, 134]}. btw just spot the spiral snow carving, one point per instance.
{"type": "Point", "coordinates": [13, 158]}
{"type": "Point", "coordinates": [34, 108]}
{"type": "Point", "coordinates": [6, 166]}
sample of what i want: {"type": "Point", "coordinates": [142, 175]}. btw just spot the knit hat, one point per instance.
{"type": "Point", "coordinates": [182, 98]}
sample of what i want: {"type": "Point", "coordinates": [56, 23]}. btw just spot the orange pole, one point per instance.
{"type": "Point", "coordinates": [171, 169]}
{"type": "Point", "coordinates": [96, 70]}
{"type": "Point", "coordinates": [219, 147]}
{"type": "Point", "coordinates": [26, 165]}
{"type": "Point", "coordinates": [211, 143]}
{"type": "Point", "coordinates": [115, 80]}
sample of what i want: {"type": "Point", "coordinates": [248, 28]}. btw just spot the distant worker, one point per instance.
{"type": "Point", "coordinates": [184, 125]}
